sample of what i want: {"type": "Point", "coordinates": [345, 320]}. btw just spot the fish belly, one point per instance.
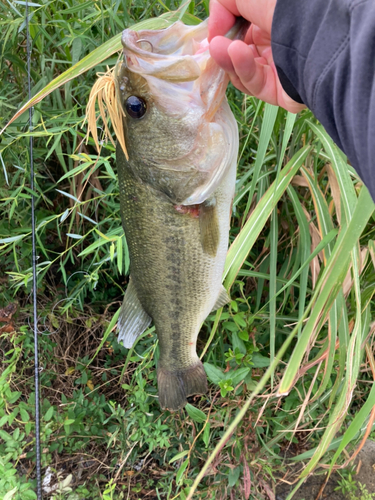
{"type": "Point", "coordinates": [175, 281]}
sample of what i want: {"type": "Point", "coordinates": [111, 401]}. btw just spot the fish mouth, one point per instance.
{"type": "Point", "coordinates": [179, 54]}
{"type": "Point", "coordinates": [166, 47]}
{"type": "Point", "coordinates": [175, 54]}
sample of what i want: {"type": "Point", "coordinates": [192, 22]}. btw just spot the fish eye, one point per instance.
{"type": "Point", "coordinates": [135, 106]}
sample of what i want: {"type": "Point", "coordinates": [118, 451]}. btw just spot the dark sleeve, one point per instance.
{"type": "Point", "coordinates": [324, 52]}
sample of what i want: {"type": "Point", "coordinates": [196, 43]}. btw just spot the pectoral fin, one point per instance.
{"type": "Point", "coordinates": [133, 319]}
{"type": "Point", "coordinates": [209, 226]}
{"type": "Point", "coordinates": [222, 299]}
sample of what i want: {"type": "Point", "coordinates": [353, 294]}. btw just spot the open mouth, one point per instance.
{"type": "Point", "coordinates": [166, 47]}
{"type": "Point", "coordinates": [176, 54]}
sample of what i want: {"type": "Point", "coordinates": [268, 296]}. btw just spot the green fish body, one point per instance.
{"type": "Point", "coordinates": [176, 193]}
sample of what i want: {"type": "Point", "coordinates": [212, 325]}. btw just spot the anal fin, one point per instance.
{"type": "Point", "coordinates": [133, 319]}
{"type": "Point", "coordinates": [222, 299]}
{"type": "Point", "coordinates": [209, 226]}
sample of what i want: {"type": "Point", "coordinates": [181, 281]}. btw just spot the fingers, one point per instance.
{"type": "Point", "coordinates": [244, 61]}
{"type": "Point", "coordinates": [219, 51]}
{"type": "Point", "coordinates": [222, 18]}
{"type": "Point", "coordinates": [253, 71]}
{"type": "Point", "coordinates": [258, 37]}
{"type": "Point", "coordinates": [248, 72]}
{"type": "Point", "coordinates": [224, 12]}
{"type": "Point", "coordinates": [249, 63]}
{"type": "Point", "coordinates": [257, 12]}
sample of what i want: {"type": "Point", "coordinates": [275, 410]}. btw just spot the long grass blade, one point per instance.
{"type": "Point", "coordinates": [304, 244]}
{"type": "Point", "coordinates": [330, 283]}
{"type": "Point", "coordinates": [250, 232]}
{"type": "Point", "coordinates": [270, 113]}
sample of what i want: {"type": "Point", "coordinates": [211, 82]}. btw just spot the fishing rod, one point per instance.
{"type": "Point", "coordinates": [34, 258]}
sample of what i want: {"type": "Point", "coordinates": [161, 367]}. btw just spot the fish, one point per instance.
{"type": "Point", "coordinates": [176, 183]}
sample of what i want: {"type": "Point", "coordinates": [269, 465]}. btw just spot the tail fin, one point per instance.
{"type": "Point", "coordinates": [175, 386]}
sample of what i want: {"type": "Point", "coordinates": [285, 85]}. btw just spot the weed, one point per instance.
{"type": "Point", "coordinates": [351, 489]}
{"type": "Point", "coordinates": [347, 485]}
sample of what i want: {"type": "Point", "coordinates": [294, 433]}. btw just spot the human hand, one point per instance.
{"type": "Point", "coordinates": [249, 63]}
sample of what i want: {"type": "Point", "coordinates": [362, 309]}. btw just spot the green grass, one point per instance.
{"type": "Point", "coordinates": [300, 271]}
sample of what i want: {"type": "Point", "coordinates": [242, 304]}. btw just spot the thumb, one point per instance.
{"type": "Point", "coordinates": [258, 12]}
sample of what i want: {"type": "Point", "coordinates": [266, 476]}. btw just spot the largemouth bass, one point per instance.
{"type": "Point", "coordinates": [176, 193]}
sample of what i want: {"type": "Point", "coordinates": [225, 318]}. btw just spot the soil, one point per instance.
{"type": "Point", "coordinates": [314, 487]}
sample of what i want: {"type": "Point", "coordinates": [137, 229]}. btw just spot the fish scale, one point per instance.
{"type": "Point", "coordinates": [176, 282]}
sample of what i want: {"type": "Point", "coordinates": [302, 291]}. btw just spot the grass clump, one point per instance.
{"type": "Point", "coordinates": [300, 271]}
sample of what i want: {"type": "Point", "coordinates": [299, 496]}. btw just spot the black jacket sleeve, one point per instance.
{"type": "Point", "coordinates": [324, 52]}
